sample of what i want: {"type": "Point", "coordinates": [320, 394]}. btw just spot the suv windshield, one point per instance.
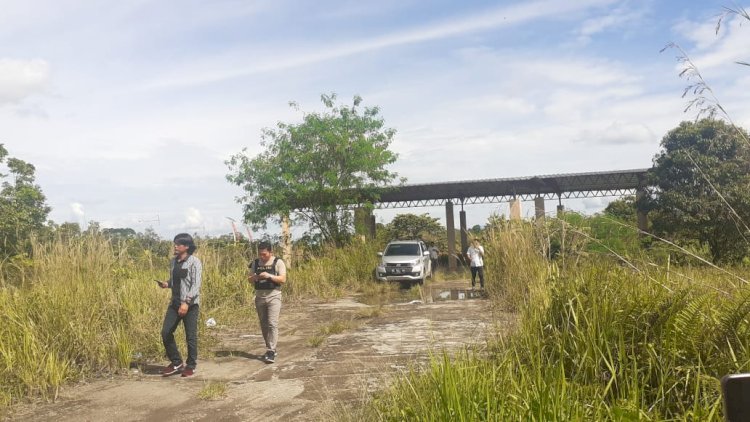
{"type": "Point", "coordinates": [406, 249]}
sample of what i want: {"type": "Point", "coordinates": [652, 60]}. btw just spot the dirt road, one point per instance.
{"type": "Point", "coordinates": [308, 379]}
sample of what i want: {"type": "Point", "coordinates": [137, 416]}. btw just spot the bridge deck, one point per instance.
{"type": "Point", "coordinates": [575, 185]}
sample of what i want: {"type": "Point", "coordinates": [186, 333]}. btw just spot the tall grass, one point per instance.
{"type": "Point", "coordinates": [514, 264]}
{"type": "Point", "coordinates": [334, 272]}
{"type": "Point", "coordinates": [598, 340]}
{"type": "Point", "coordinates": [84, 306]}
{"type": "Point", "coordinates": [80, 309]}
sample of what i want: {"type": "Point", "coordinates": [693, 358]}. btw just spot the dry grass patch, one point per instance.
{"type": "Point", "coordinates": [213, 390]}
{"type": "Point", "coordinates": [334, 327]}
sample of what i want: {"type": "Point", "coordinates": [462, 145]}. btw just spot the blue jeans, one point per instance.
{"type": "Point", "coordinates": [190, 321]}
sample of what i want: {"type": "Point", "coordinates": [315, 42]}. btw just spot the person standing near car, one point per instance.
{"type": "Point", "coordinates": [434, 255]}
{"type": "Point", "coordinates": [475, 254]}
{"type": "Point", "coordinates": [268, 273]}
{"type": "Point", "coordinates": [185, 281]}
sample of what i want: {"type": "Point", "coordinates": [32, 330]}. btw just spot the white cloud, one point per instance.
{"type": "Point", "coordinates": [193, 218]}
{"type": "Point", "coordinates": [702, 34]}
{"type": "Point", "coordinates": [616, 19]}
{"type": "Point", "coordinates": [32, 110]}
{"type": "Point", "coordinates": [498, 104]}
{"type": "Point", "coordinates": [618, 133]}
{"type": "Point", "coordinates": [595, 204]}
{"type": "Point", "coordinates": [583, 71]}
{"type": "Point", "coordinates": [228, 67]}
{"type": "Point", "coordinates": [77, 209]}
{"type": "Point", "coordinates": [716, 51]}
{"type": "Point", "coordinates": [20, 79]}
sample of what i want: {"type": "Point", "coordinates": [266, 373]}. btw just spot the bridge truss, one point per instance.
{"type": "Point", "coordinates": [487, 191]}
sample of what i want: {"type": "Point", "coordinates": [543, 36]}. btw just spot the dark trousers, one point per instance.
{"type": "Point", "coordinates": [434, 264]}
{"type": "Point", "coordinates": [474, 272]}
{"type": "Point", "coordinates": [190, 321]}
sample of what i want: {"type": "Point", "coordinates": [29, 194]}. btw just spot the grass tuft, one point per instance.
{"type": "Point", "coordinates": [213, 390]}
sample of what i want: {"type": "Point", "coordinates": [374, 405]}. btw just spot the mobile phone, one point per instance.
{"type": "Point", "coordinates": [158, 282]}
{"type": "Point", "coordinates": [735, 389]}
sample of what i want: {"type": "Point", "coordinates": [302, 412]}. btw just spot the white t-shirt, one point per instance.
{"type": "Point", "coordinates": [475, 254]}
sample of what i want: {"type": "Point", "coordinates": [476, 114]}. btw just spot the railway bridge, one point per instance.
{"type": "Point", "coordinates": [512, 190]}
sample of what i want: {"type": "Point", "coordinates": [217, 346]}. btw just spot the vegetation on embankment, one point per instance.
{"type": "Point", "coordinates": [599, 339]}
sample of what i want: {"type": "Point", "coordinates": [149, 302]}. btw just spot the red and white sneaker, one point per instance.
{"type": "Point", "coordinates": [172, 369]}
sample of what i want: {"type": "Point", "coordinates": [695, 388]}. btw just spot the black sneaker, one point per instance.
{"type": "Point", "coordinates": [269, 357]}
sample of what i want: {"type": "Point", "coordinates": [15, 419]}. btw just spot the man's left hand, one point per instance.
{"type": "Point", "coordinates": [183, 310]}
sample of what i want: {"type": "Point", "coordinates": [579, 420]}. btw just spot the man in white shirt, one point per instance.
{"type": "Point", "coordinates": [475, 254]}
{"type": "Point", "coordinates": [434, 255]}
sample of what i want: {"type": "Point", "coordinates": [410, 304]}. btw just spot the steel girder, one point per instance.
{"type": "Point", "coordinates": [502, 199]}
{"type": "Point", "coordinates": [559, 186]}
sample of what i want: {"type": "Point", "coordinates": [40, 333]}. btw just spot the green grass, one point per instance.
{"type": "Point", "coordinates": [213, 390]}
{"type": "Point", "coordinates": [334, 273]}
{"type": "Point", "coordinates": [332, 328]}
{"type": "Point", "coordinates": [316, 340]}
{"type": "Point", "coordinates": [606, 331]}
{"type": "Point", "coordinates": [84, 306]}
{"type": "Point", "coordinates": [598, 339]}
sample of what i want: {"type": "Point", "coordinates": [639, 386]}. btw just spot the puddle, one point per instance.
{"type": "Point", "coordinates": [456, 294]}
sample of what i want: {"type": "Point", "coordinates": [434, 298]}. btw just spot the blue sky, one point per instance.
{"type": "Point", "coordinates": [129, 109]}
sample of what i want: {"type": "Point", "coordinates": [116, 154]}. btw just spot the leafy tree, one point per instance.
{"type": "Point", "coordinates": [93, 228]}
{"type": "Point", "coordinates": [69, 230]}
{"type": "Point", "coordinates": [23, 208]}
{"type": "Point", "coordinates": [334, 158]}
{"type": "Point", "coordinates": [622, 208]}
{"type": "Point", "coordinates": [412, 226]}
{"type": "Point", "coordinates": [702, 181]}
{"type": "Point", "coordinates": [119, 233]}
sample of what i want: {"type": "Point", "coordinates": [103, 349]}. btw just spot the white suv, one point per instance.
{"type": "Point", "coordinates": [404, 260]}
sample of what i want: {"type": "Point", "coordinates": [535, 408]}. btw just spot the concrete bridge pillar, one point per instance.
{"type": "Point", "coordinates": [641, 215]}
{"type": "Point", "coordinates": [464, 232]}
{"type": "Point", "coordinates": [560, 207]}
{"type": "Point", "coordinates": [515, 209]}
{"type": "Point", "coordinates": [539, 208]}
{"type": "Point", "coordinates": [361, 221]}
{"type": "Point", "coordinates": [372, 226]}
{"type": "Point", "coordinates": [450, 225]}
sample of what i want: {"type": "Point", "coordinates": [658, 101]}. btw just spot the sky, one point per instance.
{"type": "Point", "coordinates": [130, 109]}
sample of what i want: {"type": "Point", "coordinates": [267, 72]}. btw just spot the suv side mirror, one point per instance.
{"type": "Point", "coordinates": [380, 253]}
{"type": "Point", "coordinates": [426, 253]}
